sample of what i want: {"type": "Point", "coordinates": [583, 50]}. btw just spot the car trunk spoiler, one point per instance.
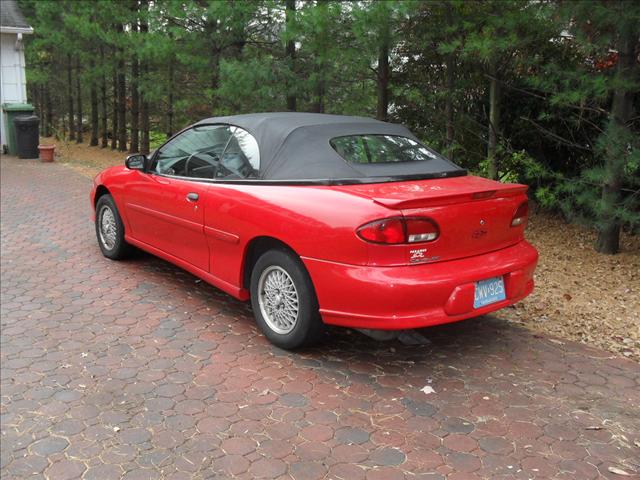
{"type": "Point", "coordinates": [434, 193]}
{"type": "Point", "coordinates": [436, 201]}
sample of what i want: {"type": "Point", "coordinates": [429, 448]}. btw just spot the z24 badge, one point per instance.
{"type": "Point", "coordinates": [419, 256]}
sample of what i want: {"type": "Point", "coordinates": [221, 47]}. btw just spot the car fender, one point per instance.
{"type": "Point", "coordinates": [114, 180]}
{"type": "Point", "coordinates": [314, 222]}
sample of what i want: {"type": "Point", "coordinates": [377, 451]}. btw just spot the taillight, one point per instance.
{"type": "Point", "coordinates": [421, 230]}
{"type": "Point", "coordinates": [399, 230]}
{"type": "Point", "coordinates": [389, 230]}
{"type": "Point", "coordinates": [521, 214]}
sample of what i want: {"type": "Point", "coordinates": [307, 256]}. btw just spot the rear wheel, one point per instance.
{"type": "Point", "coordinates": [284, 301]}
{"type": "Point", "coordinates": [110, 229]}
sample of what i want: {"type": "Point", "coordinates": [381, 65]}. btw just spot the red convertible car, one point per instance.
{"type": "Point", "coordinates": [321, 219]}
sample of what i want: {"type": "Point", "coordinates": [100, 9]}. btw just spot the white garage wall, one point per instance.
{"type": "Point", "coordinates": [13, 85]}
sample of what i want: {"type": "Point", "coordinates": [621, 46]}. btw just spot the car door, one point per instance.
{"type": "Point", "coordinates": [165, 206]}
{"type": "Point", "coordinates": [239, 161]}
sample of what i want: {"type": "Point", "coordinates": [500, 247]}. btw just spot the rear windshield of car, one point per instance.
{"type": "Point", "coordinates": [367, 149]}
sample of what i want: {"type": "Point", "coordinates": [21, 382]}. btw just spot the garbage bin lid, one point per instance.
{"type": "Point", "coordinates": [26, 120]}
{"type": "Point", "coordinates": [17, 107]}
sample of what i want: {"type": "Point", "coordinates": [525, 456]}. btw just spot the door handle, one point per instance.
{"type": "Point", "coordinates": [192, 197]}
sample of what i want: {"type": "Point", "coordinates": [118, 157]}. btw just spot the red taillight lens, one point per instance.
{"type": "Point", "coordinates": [520, 216]}
{"type": "Point", "coordinates": [399, 230]}
{"type": "Point", "coordinates": [389, 230]}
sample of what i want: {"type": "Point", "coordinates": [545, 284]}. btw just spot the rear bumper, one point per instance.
{"type": "Point", "coordinates": [394, 298]}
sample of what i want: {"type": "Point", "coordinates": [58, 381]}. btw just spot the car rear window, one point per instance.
{"type": "Point", "coordinates": [365, 149]}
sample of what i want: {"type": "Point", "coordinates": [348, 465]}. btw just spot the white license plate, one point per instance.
{"type": "Point", "coordinates": [489, 291]}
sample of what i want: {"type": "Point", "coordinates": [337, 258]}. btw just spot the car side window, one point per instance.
{"type": "Point", "coordinates": [194, 153]}
{"type": "Point", "coordinates": [210, 151]}
{"type": "Point", "coordinates": [241, 158]}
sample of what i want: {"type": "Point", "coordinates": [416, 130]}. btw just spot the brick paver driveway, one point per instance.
{"type": "Point", "coordinates": [136, 369]}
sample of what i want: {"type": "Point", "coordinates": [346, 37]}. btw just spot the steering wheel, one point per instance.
{"type": "Point", "coordinates": [214, 162]}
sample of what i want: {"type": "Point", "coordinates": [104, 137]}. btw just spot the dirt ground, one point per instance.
{"type": "Point", "coordinates": [580, 295]}
{"type": "Point", "coordinates": [82, 158]}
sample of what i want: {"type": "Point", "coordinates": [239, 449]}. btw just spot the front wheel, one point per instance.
{"type": "Point", "coordinates": [110, 229]}
{"type": "Point", "coordinates": [284, 301]}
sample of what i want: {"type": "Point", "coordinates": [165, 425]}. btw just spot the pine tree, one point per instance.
{"type": "Point", "coordinates": [535, 92]}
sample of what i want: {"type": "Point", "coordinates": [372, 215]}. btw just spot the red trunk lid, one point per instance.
{"type": "Point", "coordinates": [474, 216]}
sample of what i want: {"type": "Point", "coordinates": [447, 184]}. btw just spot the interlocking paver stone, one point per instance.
{"type": "Point", "coordinates": [268, 468]}
{"type": "Point", "coordinates": [49, 445]}
{"type": "Point", "coordinates": [66, 470]}
{"type": "Point", "coordinates": [352, 435]}
{"type": "Point", "coordinates": [387, 456]}
{"type": "Point", "coordinates": [134, 369]}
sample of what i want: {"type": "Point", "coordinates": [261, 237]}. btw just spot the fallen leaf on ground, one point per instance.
{"type": "Point", "coordinates": [618, 471]}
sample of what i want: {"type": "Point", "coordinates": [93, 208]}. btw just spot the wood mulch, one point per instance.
{"type": "Point", "coordinates": [580, 295]}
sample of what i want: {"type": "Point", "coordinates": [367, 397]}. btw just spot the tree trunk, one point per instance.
{"type": "Point", "coordinates": [494, 124]}
{"type": "Point", "coordinates": [39, 102]}
{"type": "Point", "coordinates": [621, 113]}
{"type": "Point", "coordinates": [144, 123]}
{"type": "Point", "coordinates": [49, 115]}
{"type": "Point", "coordinates": [79, 137]}
{"type": "Point", "coordinates": [71, 123]}
{"type": "Point", "coordinates": [94, 111]}
{"type": "Point", "coordinates": [94, 115]}
{"type": "Point", "coordinates": [144, 104]}
{"type": "Point", "coordinates": [290, 51]}
{"type": "Point", "coordinates": [318, 104]}
{"type": "Point", "coordinates": [43, 110]}
{"type": "Point", "coordinates": [215, 79]}
{"type": "Point", "coordinates": [320, 81]}
{"type": "Point", "coordinates": [135, 106]}
{"type": "Point", "coordinates": [448, 104]}
{"type": "Point", "coordinates": [170, 75]}
{"type": "Point", "coordinates": [103, 103]}
{"type": "Point", "coordinates": [382, 111]}
{"type": "Point", "coordinates": [449, 84]}
{"type": "Point", "coordinates": [211, 34]}
{"type": "Point", "coordinates": [114, 119]}
{"type": "Point", "coordinates": [122, 108]}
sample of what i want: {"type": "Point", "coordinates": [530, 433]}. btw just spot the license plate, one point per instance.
{"type": "Point", "coordinates": [489, 291]}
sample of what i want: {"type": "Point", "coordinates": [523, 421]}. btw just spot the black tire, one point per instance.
{"type": "Point", "coordinates": [308, 327]}
{"type": "Point", "coordinates": [120, 248]}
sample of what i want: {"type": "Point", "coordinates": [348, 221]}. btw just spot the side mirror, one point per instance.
{"type": "Point", "coordinates": [137, 161]}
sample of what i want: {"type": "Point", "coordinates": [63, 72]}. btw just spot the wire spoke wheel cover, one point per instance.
{"type": "Point", "coordinates": [107, 227]}
{"type": "Point", "coordinates": [278, 299]}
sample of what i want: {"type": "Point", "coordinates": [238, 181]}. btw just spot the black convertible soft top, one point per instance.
{"type": "Point", "coordinates": [296, 147]}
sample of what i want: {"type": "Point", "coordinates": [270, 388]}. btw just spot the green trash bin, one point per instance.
{"type": "Point", "coordinates": [10, 111]}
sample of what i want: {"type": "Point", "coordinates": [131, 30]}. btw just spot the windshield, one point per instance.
{"type": "Point", "coordinates": [365, 149]}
